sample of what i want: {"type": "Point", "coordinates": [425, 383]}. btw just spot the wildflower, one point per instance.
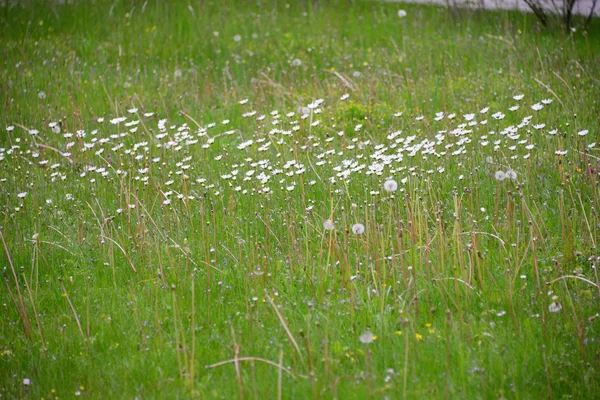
{"type": "Point", "coordinates": [22, 195]}
{"type": "Point", "coordinates": [42, 95]}
{"type": "Point", "coordinates": [55, 127]}
{"type": "Point", "coordinates": [358, 229]}
{"type": "Point", "coordinates": [518, 97]}
{"type": "Point", "coordinates": [26, 382]}
{"type": "Point", "coordinates": [297, 62]}
{"type": "Point", "coordinates": [402, 13]}
{"type": "Point", "coordinates": [537, 107]}
{"type": "Point", "coordinates": [367, 337]}
{"type": "Point", "coordinates": [583, 132]}
{"type": "Point", "coordinates": [555, 306]}
{"type": "Point", "coordinates": [237, 38]}
{"type": "Point", "coordinates": [418, 336]}
{"type": "Point", "coordinates": [510, 174]}
{"type": "Point", "coordinates": [328, 225]}
{"type": "Point", "coordinates": [390, 185]}
{"type": "Point", "coordinates": [398, 333]}
{"type": "Point", "coordinates": [500, 175]}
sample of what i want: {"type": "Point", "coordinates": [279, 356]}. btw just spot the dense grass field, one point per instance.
{"type": "Point", "coordinates": [265, 200]}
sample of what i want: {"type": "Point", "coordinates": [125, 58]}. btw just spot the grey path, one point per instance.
{"type": "Point", "coordinates": [582, 7]}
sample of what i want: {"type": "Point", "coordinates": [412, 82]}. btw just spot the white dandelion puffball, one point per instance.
{"type": "Point", "coordinates": [510, 174]}
{"type": "Point", "coordinates": [237, 38]}
{"type": "Point", "coordinates": [358, 229]}
{"type": "Point", "coordinates": [402, 13]}
{"type": "Point", "coordinates": [390, 185]}
{"type": "Point", "coordinates": [328, 225]}
{"type": "Point", "coordinates": [366, 337]}
{"type": "Point", "coordinates": [297, 62]}
{"type": "Point", "coordinates": [500, 175]}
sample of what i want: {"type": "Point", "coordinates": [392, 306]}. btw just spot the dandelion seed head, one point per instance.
{"type": "Point", "coordinates": [390, 185]}
{"type": "Point", "coordinates": [510, 174]}
{"type": "Point", "coordinates": [328, 225]}
{"type": "Point", "coordinates": [366, 337]}
{"type": "Point", "coordinates": [500, 175]}
{"type": "Point", "coordinates": [358, 229]}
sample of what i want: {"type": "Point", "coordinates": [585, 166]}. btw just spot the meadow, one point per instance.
{"type": "Point", "coordinates": [320, 199]}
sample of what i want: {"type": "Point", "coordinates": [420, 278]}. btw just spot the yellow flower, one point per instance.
{"type": "Point", "coordinates": [431, 330]}
{"type": "Point", "coordinates": [398, 333]}
{"type": "Point", "coordinates": [418, 336]}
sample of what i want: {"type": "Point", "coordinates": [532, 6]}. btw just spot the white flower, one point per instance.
{"type": "Point", "coordinates": [518, 97]}
{"type": "Point", "coordinates": [344, 96]}
{"type": "Point", "coordinates": [42, 95]}
{"type": "Point", "coordinates": [402, 13]}
{"type": "Point", "coordinates": [537, 107]}
{"type": "Point", "coordinates": [390, 185]}
{"type": "Point", "coordinates": [237, 38]}
{"type": "Point", "coordinates": [554, 307]}
{"type": "Point", "coordinates": [547, 101]}
{"type": "Point", "coordinates": [358, 229]}
{"type": "Point", "coordinates": [26, 382]}
{"type": "Point", "coordinates": [297, 62]}
{"type": "Point", "coordinates": [22, 195]}
{"type": "Point", "coordinates": [366, 337]}
{"type": "Point", "coordinates": [500, 175]}
{"type": "Point", "coordinates": [583, 132]}
{"type": "Point", "coordinates": [328, 225]}
{"type": "Point", "coordinates": [303, 110]}
{"type": "Point", "coordinates": [510, 174]}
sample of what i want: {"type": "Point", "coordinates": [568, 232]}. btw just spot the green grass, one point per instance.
{"type": "Point", "coordinates": [116, 288]}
